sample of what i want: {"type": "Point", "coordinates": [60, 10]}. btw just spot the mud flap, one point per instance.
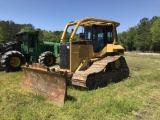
{"type": "Point", "coordinates": [52, 85]}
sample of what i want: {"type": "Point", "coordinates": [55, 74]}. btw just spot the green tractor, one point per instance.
{"type": "Point", "coordinates": [30, 50]}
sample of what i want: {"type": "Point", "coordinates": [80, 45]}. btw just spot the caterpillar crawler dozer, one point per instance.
{"type": "Point", "coordinates": [91, 62]}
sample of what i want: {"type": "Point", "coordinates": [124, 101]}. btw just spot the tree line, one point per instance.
{"type": "Point", "coordinates": [8, 30]}
{"type": "Point", "coordinates": [145, 36]}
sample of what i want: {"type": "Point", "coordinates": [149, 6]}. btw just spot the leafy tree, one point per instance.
{"type": "Point", "coordinates": [57, 35]}
{"type": "Point", "coordinates": [8, 29]}
{"type": "Point", "coordinates": [143, 38]}
{"type": "Point", "coordinates": [139, 37]}
{"type": "Point", "coordinates": [155, 34]}
{"type": "Point", "coordinates": [1, 37]}
{"type": "Point", "coordinates": [127, 39]}
{"type": "Point", "coordinates": [122, 39]}
{"type": "Point", "coordinates": [131, 34]}
{"type": "Point", "coordinates": [28, 27]}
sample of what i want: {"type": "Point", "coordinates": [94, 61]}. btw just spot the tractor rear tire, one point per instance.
{"type": "Point", "coordinates": [12, 60]}
{"type": "Point", "coordinates": [47, 58]}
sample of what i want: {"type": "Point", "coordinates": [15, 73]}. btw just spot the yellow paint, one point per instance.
{"type": "Point", "coordinates": [81, 56]}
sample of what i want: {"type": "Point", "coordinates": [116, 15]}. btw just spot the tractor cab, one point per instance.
{"type": "Point", "coordinates": [28, 38]}
{"type": "Point", "coordinates": [29, 42]}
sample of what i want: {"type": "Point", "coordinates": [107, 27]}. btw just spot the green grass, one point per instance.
{"type": "Point", "coordinates": [137, 97]}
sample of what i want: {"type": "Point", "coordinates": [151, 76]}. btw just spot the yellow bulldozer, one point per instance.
{"type": "Point", "coordinates": [90, 62]}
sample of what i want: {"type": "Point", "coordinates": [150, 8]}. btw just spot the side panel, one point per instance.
{"type": "Point", "coordinates": [110, 48]}
{"type": "Point", "coordinates": [78, 54]}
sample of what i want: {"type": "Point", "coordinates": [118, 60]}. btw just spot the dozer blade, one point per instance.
{"type": "Point", "coordinates": [50, 84]}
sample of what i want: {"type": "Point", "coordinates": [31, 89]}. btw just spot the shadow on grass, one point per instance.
{"type": "Point", "coordinates": [71, 98]}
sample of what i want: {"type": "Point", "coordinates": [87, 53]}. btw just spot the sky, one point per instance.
{"type": "Point", "coordinates": [53, 15]}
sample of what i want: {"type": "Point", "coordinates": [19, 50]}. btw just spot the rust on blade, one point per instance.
{"type": "Point", "coordinates": [51, 84]}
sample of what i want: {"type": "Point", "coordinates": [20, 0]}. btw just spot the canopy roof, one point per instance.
{"type": "Point", "coordinates": [93, 21]}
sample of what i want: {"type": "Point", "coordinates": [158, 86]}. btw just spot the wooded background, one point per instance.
{"type": "Point", "coordinates": [145, 36]}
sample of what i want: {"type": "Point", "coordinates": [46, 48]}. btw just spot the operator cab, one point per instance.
{"type": "Point", "coordinates": [27, 38]}
{"type": "Point", "coordinates": [28, 41]}
{"type": "Point", "coordinates": [99, 35]}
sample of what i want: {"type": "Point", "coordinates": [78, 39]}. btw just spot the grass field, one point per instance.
{"type": "Point", "coordinates": [137, 97]}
